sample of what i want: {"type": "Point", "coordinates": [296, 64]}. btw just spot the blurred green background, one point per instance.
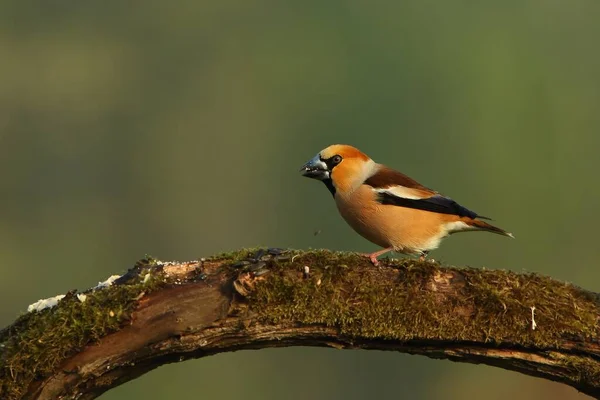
{"type": "Point", "coordinates": [177, 129]}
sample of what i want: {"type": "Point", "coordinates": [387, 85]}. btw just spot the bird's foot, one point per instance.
{"type": "Point", "coordinates": [423, 255]}
{"type": "Point", "coordinates": [373, 256]}
{"type": "Point", "coordinates": [373, 259]}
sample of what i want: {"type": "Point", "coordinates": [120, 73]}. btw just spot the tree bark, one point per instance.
{"type": "Point", "coordinates": [160, 313]}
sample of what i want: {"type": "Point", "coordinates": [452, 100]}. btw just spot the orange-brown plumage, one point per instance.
{"type": "Point", "coordinates": [348, 152]}
{"type": "Point", "coordinates": [386, 177]}
{"type": "Point", "coordinates": [387, 207]}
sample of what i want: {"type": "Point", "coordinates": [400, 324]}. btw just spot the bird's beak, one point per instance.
{"type": "Point", "coordinates": [316, 169]}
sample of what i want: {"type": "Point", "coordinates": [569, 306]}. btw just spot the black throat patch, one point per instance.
{"type": "Point", "coordinates": [330, 186]}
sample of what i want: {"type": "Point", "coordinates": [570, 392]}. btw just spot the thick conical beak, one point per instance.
{"type": "Point", "coordinates": [316, 169]}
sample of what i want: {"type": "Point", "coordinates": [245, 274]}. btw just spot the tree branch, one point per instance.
{"type": "Point", "coordinates": [160, 312]}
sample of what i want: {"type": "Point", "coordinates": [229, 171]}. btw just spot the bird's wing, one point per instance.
{"type": "Point", "coordinates": [395, 188]}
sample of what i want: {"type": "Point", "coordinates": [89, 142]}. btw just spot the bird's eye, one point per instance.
{"type": "Point", "coordinates": [335, 160]}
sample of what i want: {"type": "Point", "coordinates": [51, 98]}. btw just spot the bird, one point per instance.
{"type": "Point", "coordinates": [389, 208]}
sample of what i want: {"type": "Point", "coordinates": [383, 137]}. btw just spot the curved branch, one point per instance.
{"type": "Point", "coordinates": [160, 312]}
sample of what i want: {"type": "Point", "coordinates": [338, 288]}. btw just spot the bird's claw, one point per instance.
{"type": "Point", "coordinates": [372, 258]}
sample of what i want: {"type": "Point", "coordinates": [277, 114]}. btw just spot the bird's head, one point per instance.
{"type": "Point", "coordinates": [340, 167]}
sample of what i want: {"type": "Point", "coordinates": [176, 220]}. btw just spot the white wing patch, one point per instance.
{"type": "Point", "coordinates": [400, 191]}
{"type": "Point", "coordinates": [457, 226]}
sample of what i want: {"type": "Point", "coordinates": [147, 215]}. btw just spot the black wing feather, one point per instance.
{"type": "Point", "coordinates": [437, 203]}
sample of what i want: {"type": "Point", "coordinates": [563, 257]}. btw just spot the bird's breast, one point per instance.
{"type": "Point", "coordinates": [403, 228]}
{"type": "Point", "coordinates": [360, 210]}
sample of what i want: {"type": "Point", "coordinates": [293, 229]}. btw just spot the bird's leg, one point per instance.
{"type": "Point", "coordinates": [424, 254]}
{"type": "Point", "coordinates": [373, 256]}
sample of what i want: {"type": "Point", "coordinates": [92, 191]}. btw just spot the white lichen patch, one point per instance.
{"type": "Point", "coordinates": [107, 282]}
{"type": "Point", "coordinates": [53, 301]}
{"type": "Point", "coordinates": [45, 303]}
{"type": "Point", "coordinates": [533, 323]}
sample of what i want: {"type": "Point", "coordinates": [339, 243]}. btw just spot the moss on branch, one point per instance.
{"type": "Point", "coordinates": [422, 300]}
{"type": "Point", "coordinates": [404, 301]}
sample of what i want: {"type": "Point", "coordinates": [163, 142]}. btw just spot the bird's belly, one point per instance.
{"type": "Point", "coordinates": [366, 226]}
{"type": "Point", "coordinates": [406, 230]}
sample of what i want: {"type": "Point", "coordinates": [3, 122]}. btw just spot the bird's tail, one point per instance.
{"type": "Point", "coordinates": [484, 226]}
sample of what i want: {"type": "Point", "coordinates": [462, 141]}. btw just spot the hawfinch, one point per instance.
{"type": "Point", "coordinates": [387, 207]}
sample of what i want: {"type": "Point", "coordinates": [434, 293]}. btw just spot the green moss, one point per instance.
{"type": "Point", "coordinates": [402, 300]}
{"type": "Point", "coordinates": [235, 255]}
{"type": "Point", "coordinates": [398, 303]}
{"type": "Point", "coordinates": [39, 341]}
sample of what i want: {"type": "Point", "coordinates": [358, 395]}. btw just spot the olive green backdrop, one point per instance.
{"type": "Point", "coordinates": [178, 128]}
